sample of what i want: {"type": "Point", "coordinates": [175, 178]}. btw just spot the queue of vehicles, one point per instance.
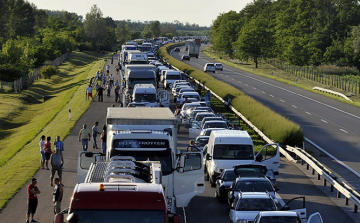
{"type": "Point", "coordinates": [143, 175]}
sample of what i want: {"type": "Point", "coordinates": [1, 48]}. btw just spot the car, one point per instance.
{"type": "Point", "coordinates": [251, 184]}
{"type": "Point", "coordinates": [209, 67]}
{"type": "Point", "coordinates": [207, 132]}
{"type": "Point", "coordinates": [285, 216]}
{"type": "Point", "coordinates": [201, 141]}
{"type": "Point", "coordinates": [247, 206]}
{"type": "Point", "coordinates": [185, 57]}
{"type": "Point", "coordinates": [183, 97]}
{"type": "Point", "coordinates": [223, 183]}
{"type": "Point", "coordinates": [255, 170]}
{"type": "Point", "coordinates": [219, 66]}
{"type": "Point", "coordinates": [177, 49]}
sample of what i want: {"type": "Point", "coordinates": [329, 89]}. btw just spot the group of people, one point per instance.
{"type": "Point", "coordinates": [85, 136]}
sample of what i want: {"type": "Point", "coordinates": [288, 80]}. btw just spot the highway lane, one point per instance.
{"type": "Point", "coordinates": [331, 124]}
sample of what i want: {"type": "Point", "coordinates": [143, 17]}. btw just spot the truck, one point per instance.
{"type": "Point", "coordinates": [150, 134]}
{"type": "Point", "coordinates": [228, 148]}
{"type": "Point", "coordinates": [127, 191]}
{"type": "Point", "coordinates": [147, 93]}
{"type": "Point", "coordinates": [136, 57]}
{"type": "Point", "coordinates": [125, 53]}
{"type": "Point", "coordinates": [138, 74]}
{"type": "Point", "coordinates": [193, 50]}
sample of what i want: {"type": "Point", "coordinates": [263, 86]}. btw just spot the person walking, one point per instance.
{"type": "Point", "coordinates": [89, 93]}
{"type": "Point", "coordinates": [57, 162]}
{"type": "Point", "coordinates": [103, 141]}
{"type": "Point", "coordinates": [107, 69]}
{"type": "Point", "coordinates": [59, 144]}
{"type": "Point", "coordinates": [111, 78]}
{"type": "Point", "coordinates": [108, 88]}
{"type": "Point", "coordinates": [177, 115]}
{"type": "Point", "coordinates": [48, 152]}
{"type": "Point", "coordinates": [84, 137]}
{"type": "Point", "coordinates": [57, 195]}
{"type": "Point", "coordinates": [117, 91]}
{"type": "Point", "coordinates": [42, 151]}
{"type": "Point", "coordinates": [94, 134]}
{"type": "Point", "coordinates": [32, 201]}
{"type": "Point", "coordinates": [100, 93]}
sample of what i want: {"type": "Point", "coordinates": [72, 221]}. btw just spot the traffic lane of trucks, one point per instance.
{"type": "Point", "coordinates": [291, 181]}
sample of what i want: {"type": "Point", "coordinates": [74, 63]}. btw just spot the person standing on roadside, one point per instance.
{"type": "Point", "coordinates": [89, 93]}
{"type": "Point", "coordinates": [103, 141]}
{"type": "Point", "coordinates": [47, 149]}
{"type": "Point", "coordinates": [57, 162]}
{"type": "Point", "coordinates": [32, 201]}
{"type": "Point", "coordinates": [84, 137]}
{"type": "Point", "coordinates": [117, 92]}
{"type": "Point", "coordinates": [42, 151]}
{"type": "Point", "coordinates": [94, 134]}
{"type": "Point", "coordinates": [100, 93]}
{"type": "Point", "coordinates": [57, 195]}
{"type": "Point", "coordinates": [111, 78]}
{"type": "Point", "coordinates": [59, 144]}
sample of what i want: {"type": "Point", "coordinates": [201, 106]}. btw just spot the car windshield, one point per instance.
{"type": "Point", "coordinates": [202, 141]}
{"type": "Point", "coordinates": [253, 186]}
{"type": "Point", "coordinates": [173, 77]}
{"type": "Point", "coordinates": [233, 151]}
{"type": "Point", "coordinates": [215, 125]}
{"type": "Point", "coordinates": [120, 216]}
{"type": "Point", "coordinates": [200, 117]}
{"type": "Point", "coordinates": [252, 204]}
{"type": "Point", "coordinates": [280, 219]}
{"type": "Point", "coordinates": [229, 176]}
{"type": "Point", "coordinates": [151, 98]}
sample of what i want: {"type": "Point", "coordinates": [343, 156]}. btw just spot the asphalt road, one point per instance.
{"type": "Point", "coordinates": [331, 124]}
{"type": "Point", "coordinates": [203, 208]}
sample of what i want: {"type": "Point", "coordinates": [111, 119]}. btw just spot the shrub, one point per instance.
{"type": "Point", "coordinates": [48, 71]}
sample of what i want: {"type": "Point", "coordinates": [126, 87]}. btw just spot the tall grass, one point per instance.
{"type": "Point", "coordinates": [275, 126]}
{"type": "Point", "coordinates": [27, 118]}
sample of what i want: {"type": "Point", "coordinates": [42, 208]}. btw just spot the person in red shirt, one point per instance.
{"type": "Point", "coordinates": [32, 191]}
{"type": "Point", "coordinates": [48, 152]}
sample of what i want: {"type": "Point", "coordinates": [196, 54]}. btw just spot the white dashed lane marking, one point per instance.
{"type": "Point", "coordinates": [294, 106]}
{"type": "Point", "coordinates": [282, 100]}
{"type": "Point", "coordinates": [324, 121]}
{"type": "Point", "coordinates": [308, 113]}
{"type": "Point", "coordinates": [343, 130]}
{"type": "Point", "coordinates": [271, 95]}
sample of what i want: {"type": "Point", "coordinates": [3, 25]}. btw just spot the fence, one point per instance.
{"type": "Point", "coordinates": [343, 83]}
{"type": "Point", "coordinates": [26, 81]}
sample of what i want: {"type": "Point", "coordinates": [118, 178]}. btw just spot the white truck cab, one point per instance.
{"type": "Point", "coordinates": [228, 148]}
{"type": "Point", "coordinates": [146, 93]}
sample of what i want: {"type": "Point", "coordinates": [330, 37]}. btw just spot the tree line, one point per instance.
{"type": "Point", "coordinates": [29, 36]}
{"type": "Point", "coordinates": [300, 32]}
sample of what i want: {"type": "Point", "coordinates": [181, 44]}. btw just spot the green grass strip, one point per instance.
{"type": "Point", "coordinates": [275, 126]}
{"type": "Point", "coordinates": [26, 118]}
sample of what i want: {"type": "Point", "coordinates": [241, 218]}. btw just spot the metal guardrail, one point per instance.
{"type": "Point", "coordinates": [332, 92]}
{"type": "Point", "coordinates": [342, 188]}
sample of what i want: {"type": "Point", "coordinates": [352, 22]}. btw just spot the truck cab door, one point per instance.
{"type": "Point", "coordinates": [269, 156]}
{"type": "Point", "coordinates": [188, 178]}
{"type": "Point", "coordinates": [297, 205]}
{"type": "Point", "coordinates": [85, 159]}
{"type": "Point", "coordinates": [163, 98]}
{"type": "Point", "coordinates": [315, 218]}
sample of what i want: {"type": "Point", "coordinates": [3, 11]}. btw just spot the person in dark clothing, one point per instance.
{"type": "Point", "coordinates": [57, 195]}
{"type": "Point", "coordinates": [100, 93]}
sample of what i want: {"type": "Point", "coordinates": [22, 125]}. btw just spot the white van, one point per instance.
{"type": "Point", "coordinates": [170, 77]}
{"type": "Point", "coordinates": [228, 148]}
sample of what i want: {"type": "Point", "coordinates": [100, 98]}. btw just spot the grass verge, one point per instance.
{"type": "Point", "coordinates": [25, 118]}
{"type": "Point", "coordinates": [275, 126]}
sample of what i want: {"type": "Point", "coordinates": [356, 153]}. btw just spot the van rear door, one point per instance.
{"type": "Point", "coordinates": [269, 156]}
{"type": "Point", "coordinates": [188, 178]}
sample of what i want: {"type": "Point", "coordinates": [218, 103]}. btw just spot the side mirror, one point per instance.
{"type": "Point", "coordinates": [208, 157]}
{"type": "Point", "coordinates": [259, 158]}
{"type": "Point", "coordinates": [277, 189]}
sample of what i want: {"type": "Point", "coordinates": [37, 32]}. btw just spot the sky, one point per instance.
{"type": "Point", "coordinates": [201, 12]}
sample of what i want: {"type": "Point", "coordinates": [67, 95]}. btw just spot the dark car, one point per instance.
{"type": "Point", "coordinates": [251, 184]}
{"type": "Point", "coordinates": [185, 57]}
{"type": "Point", "coordinates": [223, 183]}
{"type": "Point", "coordinates": [177, 49]}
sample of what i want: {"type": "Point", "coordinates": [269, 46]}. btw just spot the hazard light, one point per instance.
{"type": "Point", "coordinates": [101, 187]}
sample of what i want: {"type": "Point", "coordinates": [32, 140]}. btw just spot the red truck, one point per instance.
{"type": "Point", "coordinates": [118, 202]}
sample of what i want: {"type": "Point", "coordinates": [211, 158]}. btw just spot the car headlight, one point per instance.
{"type": "Point", "coordinates": [241, 221]}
